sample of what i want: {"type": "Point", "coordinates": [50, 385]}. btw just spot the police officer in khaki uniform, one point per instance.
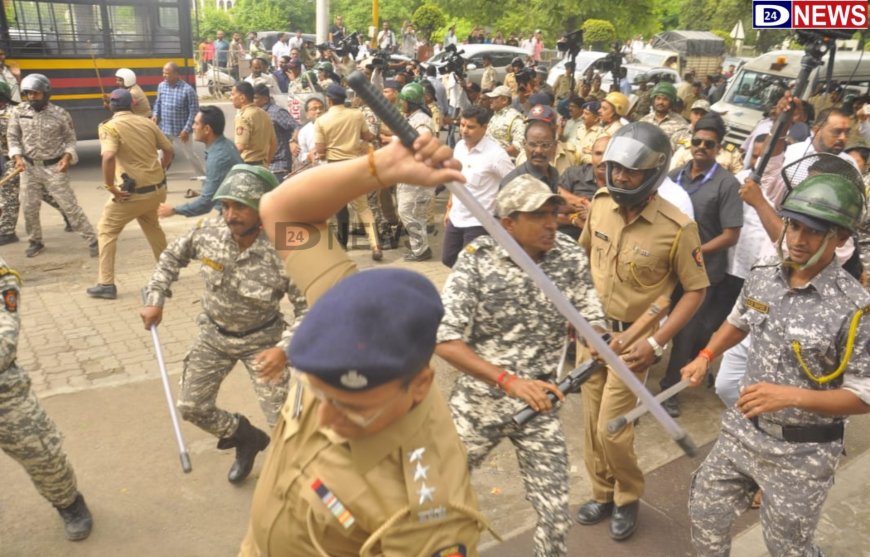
{"type": "Point", "coordinates": [136, 180]}
{"type": "Point", "coordinates": [255, 136]}
{"type": "Point", "coordinates": [369, 426]}
{"type": "Point", "coordinates": [728, 157]}
{"type": "Point", "coordinates": [507, 124]}
{"type": "Point", "coordinates": [640, 246]}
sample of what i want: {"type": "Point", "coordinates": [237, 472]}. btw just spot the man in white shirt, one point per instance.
{"type": "Point", "coordinates": [297, 41]}
{"type": "Point", "coordinates": [484, 164]}
{"type": "Point", "coordinates": [280, 48]}
{"type": "Point", "coordinates": [386, 38]}
{"type": "Point", "coordinates": [302, 147]}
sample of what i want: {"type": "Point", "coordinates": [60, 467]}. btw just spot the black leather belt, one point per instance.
{"type": "Point", "coordinates": [801, 434]}
{"type": "Point", "coordinates": [241, 334]}
{"type": "Point", "coordinates": [45, 162]}
{"type": "Point", "coordinates": [149, 189]}
{"type": "Point", "coordinates": [618, 326]}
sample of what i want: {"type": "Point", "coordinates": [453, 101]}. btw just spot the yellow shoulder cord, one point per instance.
{"type": "Point", "coordinates": [850, 345]}
{"type": "Point", "coordinates": [311, 536]}
{"type": "Point", "coordinates": [671, 256]}
{"type": "Point", "coordinates": [482, 522]}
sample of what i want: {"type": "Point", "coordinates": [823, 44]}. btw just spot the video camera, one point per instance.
{"type": "Point", "coordinates": [348, 45]}
{"type": "Point", "coordinates": [453, 61]}
{"type": "Point", "coordinates": [613, 62]}
{"type": "Point", "coordinates": [571, 42]}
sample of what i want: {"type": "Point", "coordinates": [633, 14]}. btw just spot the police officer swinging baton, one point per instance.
{"type": "Point", "coordinates": [164, 376]}
{"type": "Point", "coordinates": [403, 130]}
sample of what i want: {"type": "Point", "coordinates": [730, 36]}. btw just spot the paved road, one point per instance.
{"type": "Point", "coordinates": [92, 363]}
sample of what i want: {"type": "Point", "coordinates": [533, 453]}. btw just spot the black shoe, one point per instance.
{"type": "Point", "coordinates": [672, 407]}
{"type": "Point", "coordinates": [104, 291]}
{"type": "Point", "coordinates": [94, 248]}
{"type": "Point", "coordinates": [248, 441]}
{"type": "Point", "coordinates": [593, 512]}
{"type": "Point", "coordinates": [425, 256]}
{"type": "Point", "coordinates": [377, 254]}
{"type": "Point", "coordinates": [8, 239]}
{"type": "Point", "coordinates": [623, 523]}
{"type": "Point", "coordinates": [34, 249]}
{"type": "Point", "coordinates": [77, 519]}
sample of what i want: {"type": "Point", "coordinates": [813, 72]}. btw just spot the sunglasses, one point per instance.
{"type": "Point", "coordinates": [708, 143]}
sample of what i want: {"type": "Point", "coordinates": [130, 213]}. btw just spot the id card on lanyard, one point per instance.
{"type": "Point", "coordinates": [695, 187]}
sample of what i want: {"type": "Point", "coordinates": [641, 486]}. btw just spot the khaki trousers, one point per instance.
{"type": "Point", "coordinates": [116, 215]}
{"type": "Point", "coordinates": [360, 205]}
{"type": "Point", "coordinates": [610, 458]}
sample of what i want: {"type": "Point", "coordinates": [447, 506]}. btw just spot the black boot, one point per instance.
{"type": "Point", "coordinates": [77, 520]}
{"type": "Point", "coordinates": [248, 441]}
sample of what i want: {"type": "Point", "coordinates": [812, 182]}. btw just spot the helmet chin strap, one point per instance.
{"type": "Point", "coordinates": [812, 260]}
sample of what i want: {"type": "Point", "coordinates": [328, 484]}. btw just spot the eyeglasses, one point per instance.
{"type": "Point", "coordinates": [358, 419]}
{"type": "Point", "coordinates": [540, 145]}
{"type": "Point", "coordinates": [708, 143]}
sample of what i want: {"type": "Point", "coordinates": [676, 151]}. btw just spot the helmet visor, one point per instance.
{"type": "Point", "coordinates": [631, 153]}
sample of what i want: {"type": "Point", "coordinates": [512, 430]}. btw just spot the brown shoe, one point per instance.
{"type": "Point", "coordinates": [377, 254]}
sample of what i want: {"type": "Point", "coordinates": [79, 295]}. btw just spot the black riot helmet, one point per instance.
{"type": "Point", "coordinates": [638, 146]}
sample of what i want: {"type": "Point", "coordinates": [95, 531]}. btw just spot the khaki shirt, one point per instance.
{"type": "Point", "coordinates": [584, 140]}
{"type": "Point", "coordinates": [141, 105]}
{"type": "Point", "coordinates": [255, 132]}
{"type": "Point", "coordinates": [340, 129]}
{"type": "Point", "coordinates": [487, 80]}
{"type": "Point", "coordinates": [134, 140]}
{"type": "Point", "coordinates": [633, 264]}
{"type": "Point", "coordinates": [566, 156]}
{"type": "Point", "coordinates": [728, 158]}
{"type": "Point", "coordinates": [318, 489]}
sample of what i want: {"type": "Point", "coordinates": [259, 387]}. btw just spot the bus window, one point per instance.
{"type": "Point", "coordinates": [130, 29]}
{"type": "Point", "coordinates": [54, 28]}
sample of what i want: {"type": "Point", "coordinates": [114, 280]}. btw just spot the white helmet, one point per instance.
{"type": "Point", "coordinates": [127, 76]}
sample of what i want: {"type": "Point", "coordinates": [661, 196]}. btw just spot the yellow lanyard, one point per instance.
{"type": "Point", "coordinates": [850, 345]}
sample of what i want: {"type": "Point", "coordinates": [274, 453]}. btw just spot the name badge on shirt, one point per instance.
{"type": "Point", "coordinates": [757, 306]}
{"type": "Point", "coordinates": [213, 264]}
{"type": "Point", "coordinates": [602, 235]}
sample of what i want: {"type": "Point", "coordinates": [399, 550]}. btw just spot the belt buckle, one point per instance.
{"type": "Point", "coordinates": [772, 429]}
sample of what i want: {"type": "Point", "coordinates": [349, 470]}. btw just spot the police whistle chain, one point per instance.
{"type": "Point", "coordinates": [407, 135]}
{"type": "Point", "coordinates": [164, 376]}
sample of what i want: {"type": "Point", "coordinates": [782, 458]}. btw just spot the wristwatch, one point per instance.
{"type": "Point", "coordinates": [657, 348]}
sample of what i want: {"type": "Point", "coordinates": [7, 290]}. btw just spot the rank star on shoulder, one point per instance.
{"type": "Point", "coordinates": [421, 472]}
{"type": "Point", "coordinates": [425, 493]}
{"type": "Point", "coordinates": [416, 454]}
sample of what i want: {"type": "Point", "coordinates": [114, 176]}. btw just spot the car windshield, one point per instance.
{"type": "Point", "coordinates": [756, 90]}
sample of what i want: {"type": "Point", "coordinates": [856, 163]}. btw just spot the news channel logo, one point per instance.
{"type": "Point", "coordinates": [809, 14]}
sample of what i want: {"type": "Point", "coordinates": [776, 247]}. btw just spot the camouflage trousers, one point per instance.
{"type": "Point", "coordinates": [541, 453]}
{"type": "Point", "coordinates": [795, 479]}
{"type": "Point", "coordinates": [37, 179]}
{"type": "Point", "coordinates": [29, 436]}
{"type": "Point", "coordinates": [210, 359]}
{"type": "Point", "coordinates": [413, 204]}
{"type": "Point", "coordinates": [10, 204]}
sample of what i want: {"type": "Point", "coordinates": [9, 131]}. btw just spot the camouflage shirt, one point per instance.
{"type": "Point", "coordinates": [672, 125]}
{"type": "Point", "coordinates": [41, 135]}
{"type": "Point", "coordinates": [495, 307]}
{"type": "Point", "coordinates": [243, 290]}
{"type": "Point", "coordinates": [818, 316]}
{"type": "Point", "coordinates": [10, 320]}
{"type": "Point", "coordinates": [507, 127]}
{"type": "Point", "coordinates": [5, 114]}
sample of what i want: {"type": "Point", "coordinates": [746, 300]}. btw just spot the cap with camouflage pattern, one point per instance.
{"type": "Point", "coordinates": [524, 194]}
{"type": "Point", "coordinates": [246, 183]}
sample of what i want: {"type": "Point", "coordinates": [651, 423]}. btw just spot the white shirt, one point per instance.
{"type": "Point", "coordinates": [306, 141]}
{"type": "Point", "coordinates": [677, 196]}
{"type": "Point", "coordinates": [753, 243]}
{"type": "Point", "coordinates": [280, 49]}
{"type": "Point", "coordinates": [484, 166]}
{"type": "Point", "coordinates": [294, 42]}
{"type": "Point", "coordinates": [386, 39]}
{"type": "Point", "coordinates": [805, 148]}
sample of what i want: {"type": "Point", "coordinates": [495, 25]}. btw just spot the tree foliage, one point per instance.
{"type": "Point", "coordinates": [427, 19]}
{"type": "Point", "coordinates": [212, 20]}
{"type": "Point", "coordinates": [598, 32]}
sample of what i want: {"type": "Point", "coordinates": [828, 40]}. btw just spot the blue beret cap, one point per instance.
{"type": "Point", "coordinates": [121, 98]}
{"type": "Point", "coordinates": [336, 92]}
{"type": "Point", "coordinates": [369, 329]}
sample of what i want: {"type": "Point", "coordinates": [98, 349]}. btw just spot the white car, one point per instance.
{"type": "Point", "coordinates": [502, 55]}
{"type": "Point", "coordinates": [585, 59]}
{"type": "Point", "coordinates": [636, 72]}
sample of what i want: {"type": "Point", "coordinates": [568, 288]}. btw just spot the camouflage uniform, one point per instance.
{"type": "Point", "coordinates": [413, 201]}
{"type": "Point", "coordinates": [507, 127]}
{"type": "Point", "coordinates": [380, 201]}
{"type": "Point", "coordinates": [514, 326]}
{"type": "Point", "coordinates": [46, 135]}
{"type": "Point", "coordinates": [27, 434]}
{"type": "Point", "coordinates": [794, 476]}
{"type": "Point", "coordinates": [10, 193]}
{"type": "Point", "coordinates": [241, 317]}
{"type": "Point", "coordinates": [641, 106]}
{"type": "Point", "coordinates": [863, 232]}
{"type": "Point", "coordinates": [672, 125]}
{"type": "Point", "coordinates": [728, 158]}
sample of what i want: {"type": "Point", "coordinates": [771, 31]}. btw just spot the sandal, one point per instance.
{"type": "Point", "coordinates": [190, 194]}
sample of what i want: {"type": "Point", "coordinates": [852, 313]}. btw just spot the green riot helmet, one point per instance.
{"type": "Point", "coordinates": [246, 183]}
{"type": "Point", "coordinates": [826, 197]}
{"type": "Point", "coordinates": [412, 93]}
{"type": "Point", "coordinates": [324, 67]}
{"type": "Point", "coordinates": [5, 91]}
{"type": "Point", "coordinates": [665, 89]}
